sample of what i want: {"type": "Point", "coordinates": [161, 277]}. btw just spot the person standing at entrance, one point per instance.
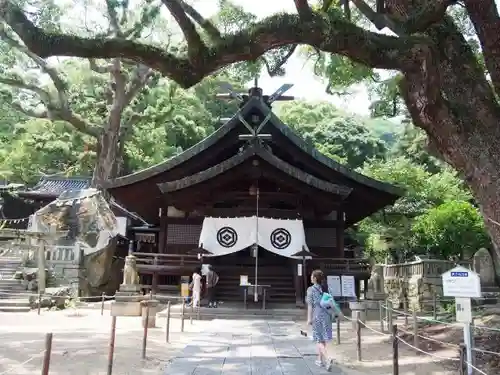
{"type": "Point", "coordinates": [197, 287]}
{"type": "Point", "coordinates": [319, 318]}
{"type": "Point", "coordinates": [212, 280]}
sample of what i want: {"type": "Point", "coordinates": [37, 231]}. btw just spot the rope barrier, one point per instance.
{"type": "Point", "coordinates": [484, 351]}
{"type": "Point", "coordinates": [427, 353]}
{"type": "Point", "coordinates": [374, 330]}
{"type": "Point", "coordinates": [22, 364]}
{"type": "Point", "coordinates": [475, 368]}
{"type": "Point", "coordinates": [455, 346]}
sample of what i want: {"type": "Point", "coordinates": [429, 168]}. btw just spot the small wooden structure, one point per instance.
{"type": "Point", "coordinates": [219, 177]}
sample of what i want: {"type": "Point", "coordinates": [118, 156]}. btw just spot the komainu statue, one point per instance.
{"type": "Point", "coordinates": [130, 275]}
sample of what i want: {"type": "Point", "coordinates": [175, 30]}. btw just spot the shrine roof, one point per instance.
{"type": "Point", "coordinates": [263, 154]}
{"type": "Point", "coordinates": [254, 103]}
{"type": "Point", "coordinates": [51, 187]}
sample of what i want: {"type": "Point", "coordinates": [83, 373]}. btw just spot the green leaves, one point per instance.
{"type": "Point", "coordinates": [454, 228]}
{"type": "Point", "coordinates": [343, 137]}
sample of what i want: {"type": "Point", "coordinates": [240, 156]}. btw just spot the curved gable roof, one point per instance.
{"type": "Point", "coordinates": [263, 154]}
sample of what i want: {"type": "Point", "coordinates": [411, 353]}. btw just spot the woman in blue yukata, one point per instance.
{"type": "Point", "coordinates": [319, 318]}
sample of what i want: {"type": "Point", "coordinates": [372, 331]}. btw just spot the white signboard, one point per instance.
{"type": "Point", "coordinates": [299, 269]}
{"type": "Point", "coordinates": [461, 282]}
{"type": "Point", "coordinates": [464, 310]}
{"type": "Point", "coordinates": [334, 285]}
{"type": "Point", "coordinates": [244, 280]}
{"type": "Point", "coordinates": [348, 286]}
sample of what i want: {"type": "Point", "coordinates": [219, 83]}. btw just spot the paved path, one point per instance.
{"type": "Point", "coordinates": [248, 348]}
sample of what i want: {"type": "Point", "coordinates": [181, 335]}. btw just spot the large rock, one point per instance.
{"type": "Point", "coordinates": [483, 265]}
{"type": "Point", "coordinates": [101, 272]}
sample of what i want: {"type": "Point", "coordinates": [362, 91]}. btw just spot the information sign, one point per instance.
{"type": "Point", "coordinates": [334, 285]}
{"type": "Point", "coordinates": [348, 286]}
{"type": "Point", "coordinates": [461, 282]}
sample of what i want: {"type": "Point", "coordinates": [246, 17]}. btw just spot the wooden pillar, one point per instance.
{"type": "Point", "coordinates": [340, 234]}
{"type": "Point", "coordinates": [357, 284]}
{"type": "Point", "coordinates": [162, 236]}
{"type": "Point", "coordinates": [298, 283]}
{"type": "Point", "coordinates": [365, 287]}
{"type": "Point", "coordinates": [154, 281]}
{"type": "Point", "coordinates": [41, 266]}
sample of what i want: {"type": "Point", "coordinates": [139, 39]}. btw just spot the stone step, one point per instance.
{"type": "Point", "coordinates": [20, 302]}
{"type": "Point", "coordinates": [237, 314]}
{"type": "Point", "coordinates": [15, 309]}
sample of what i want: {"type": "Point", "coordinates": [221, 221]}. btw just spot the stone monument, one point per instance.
{"type": "Point", "coordinates": [482, 264]}
{"type": "Point", "coordinates": [128, 298]}
{"type": "Point", "coordinates": [376, 283]}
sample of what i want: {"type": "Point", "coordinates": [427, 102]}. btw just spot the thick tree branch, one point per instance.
{"type": "Point", "coordinates": [140, 77]}
{"type": "Point", "coordinates": [113, 17]}
{"type": "Point", "coordinates": [60, 110]}
{"type": "Point", "coordinates": [303, 8]}
{"type": "Point", "coordinates": [196, 47]}
{"type": "Point", "coordinates": [484, 16]}
{"type": "Point", "coordinates": [30, 112]}
{"type": "Point", "coordinates": [432, 12]}
{"type": "Point", "coordinates": [205, 23]}
{"type": "Point", "coordinates": [44, 95]}
{"type": "Point", "coordinates": [334, 34]}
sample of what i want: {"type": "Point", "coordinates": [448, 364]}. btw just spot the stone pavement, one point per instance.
{"type": "Point", "coordinates": [248, 348]}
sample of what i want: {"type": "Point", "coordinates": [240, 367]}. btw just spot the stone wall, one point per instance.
{"type": "Point", "coordinates": [417, 282]}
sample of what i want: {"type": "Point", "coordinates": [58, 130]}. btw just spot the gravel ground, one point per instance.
{"type": "Point", "coordinates": [81, 341]}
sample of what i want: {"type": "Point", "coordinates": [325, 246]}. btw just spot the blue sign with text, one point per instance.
{"type": "Point", "coordinates": [459, 274]}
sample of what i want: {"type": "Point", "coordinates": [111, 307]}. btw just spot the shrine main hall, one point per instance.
{"type": "Point", "coordinates": [247, 199]}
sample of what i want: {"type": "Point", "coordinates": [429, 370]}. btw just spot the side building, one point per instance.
{"type": "Point", "coordinates": [252, 166]}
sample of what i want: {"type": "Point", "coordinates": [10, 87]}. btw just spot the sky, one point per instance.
{"type": "Point", "coordinates": [306, 84]}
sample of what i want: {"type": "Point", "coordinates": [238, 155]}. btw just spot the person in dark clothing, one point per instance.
{"type": "Point", "coordinates": [212, 280]}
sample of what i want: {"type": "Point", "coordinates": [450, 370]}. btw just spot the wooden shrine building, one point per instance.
{"type": "Point", "coordinates": [253, 165]}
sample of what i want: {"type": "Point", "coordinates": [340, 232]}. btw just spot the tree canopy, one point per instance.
{"type": "Point", "coordinates": [126, 90]}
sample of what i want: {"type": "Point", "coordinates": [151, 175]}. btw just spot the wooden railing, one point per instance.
{"type": "Point", "coordinates": [158, 262]}
{"type": "Point", "coordinates": [423, 267]}
{"type": "Point", "coordinates": [340, 265]}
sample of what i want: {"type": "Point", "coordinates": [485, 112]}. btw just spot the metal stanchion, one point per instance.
{"type": "Point", "coordinates": [145, 335]}
{"type": "Point", "coordinates": [182, 317]}
{"type": "Point", "coordinates": [111, 350]}
{"type": "Point", "coordinates": [46, 356]}
{"type": "Point", "coordinates": [102, 303]}
{"type": "Point", "coordinates": [167, 329]}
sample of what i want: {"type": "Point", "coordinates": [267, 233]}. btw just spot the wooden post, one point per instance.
{"type": "Point", "coordinates": [145, 335]}
{"type": "Point", "coordinates": [102, 303]}
{"type": "Point", "coordinates": [154, 281]}
{"type": "Point", "coordinates": [434, 306]}
{"type": "Point", "coordinates": [41, 267]}
{"type": "Point", "coordinates": [47, 353]}
{"type": "Point", "coordinates": [358, 339]}
{"type": "Point", "coordinates": [395, 351]}
{"type": "Point", "coordinates": [461, 355]}
{"type": "Point", "coordinates": [39, 301]}
{"type": "Point", "coordinates": [405, 309]}
{"type": "Point", "coordinates": [338, 330]}
{"type": "Point", "coordinates": [381, 315]}
{"type": "Point", "coordinates": [473, 341]}
{"type": "Point", "coordinates": [111, 350]}
{"type": "Point", "coordinates": [389, 312]}
{"type": "Point", "coordinates": [167, 328]}
{"type": "Point", "coordinates": [182, 317]}
{"type": "Point", "coordinates": [415, 328]}
{"type": "Point", "coordinates": [81, 273]}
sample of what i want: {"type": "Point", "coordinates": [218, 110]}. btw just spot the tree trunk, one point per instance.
{"type": "Point", "coordinates": [448, 96]}
{"type": "Point", "coordinates": [107, 155]}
